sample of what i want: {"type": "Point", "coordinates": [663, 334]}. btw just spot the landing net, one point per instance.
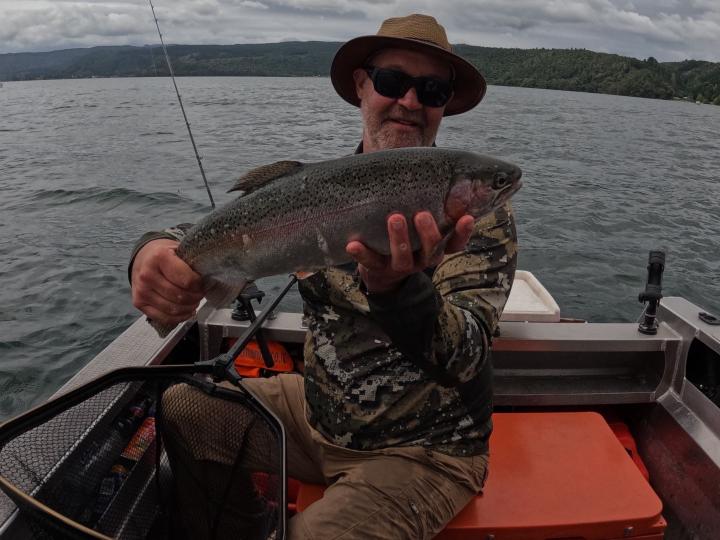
{"type": "Point", "coordinates": [132, 455]}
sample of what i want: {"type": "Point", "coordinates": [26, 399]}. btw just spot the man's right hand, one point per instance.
{"type": "Point", "coordinates": [164, 287]}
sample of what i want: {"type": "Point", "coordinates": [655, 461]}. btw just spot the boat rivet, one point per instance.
{"type": "Point", "coordinates": [628, 531]}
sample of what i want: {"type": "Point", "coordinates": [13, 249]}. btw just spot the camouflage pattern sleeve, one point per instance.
{"type": "Point", "coordinates": [475, 285]}
{"type": "Point", "coordinates": [445, 324]}
{"type": "Point", "coordinates": [172, 233]}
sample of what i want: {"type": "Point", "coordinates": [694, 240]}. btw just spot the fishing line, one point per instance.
{"type": "Point", "coordinates": [172, 75]}
{"type": "Point", "coordinates": [254, 327]}
{"type": "Point", "coordinates": [152, 57]}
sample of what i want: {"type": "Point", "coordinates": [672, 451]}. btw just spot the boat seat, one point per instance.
{"type": "Point", "coordinates": [553, 476]}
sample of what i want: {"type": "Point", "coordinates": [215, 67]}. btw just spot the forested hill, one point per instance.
{"type": "Point", "coordinates": [588, 71]}
{"type": "Point", "coordinates": [562, 69]}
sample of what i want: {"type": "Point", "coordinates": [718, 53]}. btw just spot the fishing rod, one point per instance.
{"type": "Point", "coordinates": [256, 322]}
{"type": "Point", "coordinates": [172, 76]}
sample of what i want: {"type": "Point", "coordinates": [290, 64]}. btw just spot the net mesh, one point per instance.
{"type": "Point", "coordinates": [147, 454]}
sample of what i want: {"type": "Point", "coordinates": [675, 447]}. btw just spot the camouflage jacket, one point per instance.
{"type": "Point", "coordinates": [411, 367]}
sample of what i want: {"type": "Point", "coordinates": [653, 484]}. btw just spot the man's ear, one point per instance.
{"type": "Point", "coordinates": [360, 76]}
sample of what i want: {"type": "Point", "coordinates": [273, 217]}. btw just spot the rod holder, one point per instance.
{"type": "Point", "coordinates": [652, 293]}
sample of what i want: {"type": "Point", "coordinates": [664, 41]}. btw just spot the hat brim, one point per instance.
{"type": "Point", "coordinates": [469, 86]}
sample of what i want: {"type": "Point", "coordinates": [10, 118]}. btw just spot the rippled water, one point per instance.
{"type": "Point", "coordinates": [87, 166]}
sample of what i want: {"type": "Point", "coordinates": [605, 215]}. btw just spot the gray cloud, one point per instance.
{"type": "Point", "coordinates": [665, 29]}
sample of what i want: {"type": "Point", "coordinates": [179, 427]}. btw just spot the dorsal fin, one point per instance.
{"type": "Point", "coordinates": [257, 178]}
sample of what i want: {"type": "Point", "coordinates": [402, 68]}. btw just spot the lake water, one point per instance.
{"type": "Point", "coordinates": [87, 166]}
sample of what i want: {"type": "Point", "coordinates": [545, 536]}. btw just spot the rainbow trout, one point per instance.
{"type": "Point", "coordinates": [296, 216]}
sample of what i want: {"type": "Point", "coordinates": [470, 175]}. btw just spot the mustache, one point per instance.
{"type": "Point", "coordinates": [404, 115]}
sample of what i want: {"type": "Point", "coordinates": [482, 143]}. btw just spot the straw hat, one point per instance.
{"type": "Point", "coordinates": [416, 33]}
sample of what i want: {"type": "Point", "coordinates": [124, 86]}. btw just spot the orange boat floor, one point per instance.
{"type": "Point", "coordinates": [553, 476]}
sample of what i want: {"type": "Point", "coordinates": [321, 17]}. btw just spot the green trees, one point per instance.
{"type": "Point", "coordinates": [587, 71]}
{"type": "Point", "coordinates": [559, 69]}
{"type": "Point", "coordinates": [699, 80]}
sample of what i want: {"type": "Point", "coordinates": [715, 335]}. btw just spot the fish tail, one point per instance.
{"type": "Point", "coordinates": [221, 294]}
{"type": "Point", "coordinates": [218, 295]}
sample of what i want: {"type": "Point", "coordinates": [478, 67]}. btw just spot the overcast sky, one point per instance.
{"type": "Point", "coordinates": [666, 29]}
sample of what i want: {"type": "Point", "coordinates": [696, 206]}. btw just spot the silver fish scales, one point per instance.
{"type": "Point", "coordinates": [297, 216]}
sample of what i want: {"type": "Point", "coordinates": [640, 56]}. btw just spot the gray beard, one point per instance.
{"type": "Point", "coordinates": [381, 136]}
{"type": "Point", "coordinates": [386, 138]}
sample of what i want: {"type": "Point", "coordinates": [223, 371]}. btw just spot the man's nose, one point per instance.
{"type": "Point", "coordinates": [410, 100]}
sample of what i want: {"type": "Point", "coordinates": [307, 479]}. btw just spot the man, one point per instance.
{"type": "Point", "coordinates": [393, 411]}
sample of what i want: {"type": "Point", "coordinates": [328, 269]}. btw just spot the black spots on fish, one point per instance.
{"type": "Point", "coordinates": [320, 194]}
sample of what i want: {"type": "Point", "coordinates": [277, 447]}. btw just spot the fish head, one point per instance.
{"type": "Point", "coordinates": [480, 184]}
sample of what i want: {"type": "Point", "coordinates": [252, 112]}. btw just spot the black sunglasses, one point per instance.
{"type": "Point", "coordinates": [431, 92]}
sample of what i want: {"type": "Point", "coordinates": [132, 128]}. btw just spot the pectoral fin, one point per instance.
{"type": "Point", "coordinates": [257, 178]}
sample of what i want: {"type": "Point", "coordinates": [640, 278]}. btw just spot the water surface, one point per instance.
{"type": "Point", "coordinates": [87, 166]}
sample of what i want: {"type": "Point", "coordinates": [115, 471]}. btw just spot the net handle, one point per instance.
{"type": "Point", "coordinates": [223, 365]}
{"type": "Point", "coordinates": [19, 497]}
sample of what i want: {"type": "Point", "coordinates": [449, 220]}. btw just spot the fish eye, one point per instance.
{"type": "Point", "coordinates": [500, 180]}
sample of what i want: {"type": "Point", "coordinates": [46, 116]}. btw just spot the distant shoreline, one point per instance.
{"type": "Point", "coordinates": [553, 69]}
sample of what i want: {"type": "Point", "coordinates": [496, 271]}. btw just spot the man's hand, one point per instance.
{"type": "Point", "coordinates": [384, 273]}
{"type": "Point", "coordinates": [164, 287]}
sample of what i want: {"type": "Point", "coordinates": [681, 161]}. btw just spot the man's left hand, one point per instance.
{"type": "Point", "coordinates": [384, 273]}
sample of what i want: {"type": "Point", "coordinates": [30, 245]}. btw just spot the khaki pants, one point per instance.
{"type": "Point", "coordinates": [394, 493]}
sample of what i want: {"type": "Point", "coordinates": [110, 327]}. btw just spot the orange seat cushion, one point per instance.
{"type": "Point", "coordinates": [553, 475]}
